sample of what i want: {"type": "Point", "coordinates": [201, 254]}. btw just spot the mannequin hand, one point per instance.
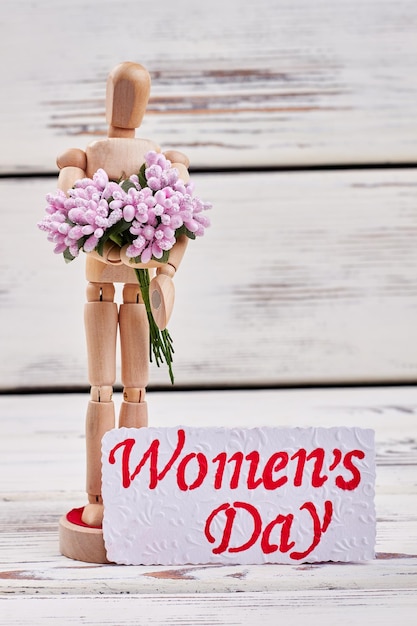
{"type": "Point", "coordinates": [111, 254]}
{"type": "Point", "coordinates": [181, 162]}
{"type": "Point", "coordinates": [161, 295]}
{"type": "Point", "coordinates": [93, 515]}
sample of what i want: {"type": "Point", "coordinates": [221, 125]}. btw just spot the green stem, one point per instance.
{"type": "Point", "coordinates": [160, 340]}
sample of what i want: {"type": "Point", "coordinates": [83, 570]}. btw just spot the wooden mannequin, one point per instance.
{"type": "Point", "coordinates": [120, 155]}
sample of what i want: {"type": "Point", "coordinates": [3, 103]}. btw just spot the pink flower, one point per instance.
{"type": "Point", "coordinates": [129, 212]}
{"type": "Point", "coordinates": [155, 211]}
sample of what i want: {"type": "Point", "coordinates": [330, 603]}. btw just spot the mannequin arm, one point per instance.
{"type": "Point", "coordinates": [180, 161]}
{"type": "Point", "coordinates": [161, 289]}
{"type": "Point", "coordinates": [72, 165]}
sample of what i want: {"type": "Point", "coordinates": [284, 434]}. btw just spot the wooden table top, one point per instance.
{"type": "Point", "coordinates": [41, 469]}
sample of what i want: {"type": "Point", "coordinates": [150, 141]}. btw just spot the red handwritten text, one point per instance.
{"type": "Point", "coordinates": [194, 468]}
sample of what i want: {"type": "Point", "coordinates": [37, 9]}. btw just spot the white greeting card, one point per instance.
{"type": "Point", "coordinates": [184, 495]}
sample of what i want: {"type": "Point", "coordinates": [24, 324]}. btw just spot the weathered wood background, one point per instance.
{"type": "Point", "coordinates": [305, 276]}
{"type": "Point", "coordinates": [272, 82]}
{"type": "Point", "coordinates": [300, 121]}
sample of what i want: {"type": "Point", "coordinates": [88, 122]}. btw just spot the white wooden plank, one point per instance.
{"type": "Point", "coordinates": [302, 278]}
{"type": "Point", "coordinates": [318, 607]}
{"type": "Point", "coordinates": [60, 576]}
{"type": "Point", "coordinates": [41, 463]}
{"type": "Point", "coordinates": [278, 82]}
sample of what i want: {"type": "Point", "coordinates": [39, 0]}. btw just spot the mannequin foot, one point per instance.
{"type": "Point", "coordinates": [92, 515]}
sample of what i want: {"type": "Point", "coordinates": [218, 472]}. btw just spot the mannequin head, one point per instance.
{"type": "Point", "coordinates": [128, 89]}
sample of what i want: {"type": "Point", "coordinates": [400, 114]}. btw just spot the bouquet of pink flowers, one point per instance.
{"type": "Point", "coordinates": [147, 212]}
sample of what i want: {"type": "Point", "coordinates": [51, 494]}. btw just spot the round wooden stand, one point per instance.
{"type": "Point", "coordinates": [80, 542]}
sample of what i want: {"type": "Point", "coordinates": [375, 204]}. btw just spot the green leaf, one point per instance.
{"type": "Point", "coordinates": [100, 246]}
{"type": "Point", "coordinates": [142, 178]}
{"type": "Point", "coordinates": [68, 256]}
{"type": "Point", "coordinates": [180, 231]}
{"type": "Point", "coordinates": [118, 229]}
{"type": "Point", "coordinates": [117, 239]}
{"type": "Point", "coordinates": [126, 185]}
{"type": "Point", "coordinates": [164, 258]}
{"type": "Point", "coordinates": [117, 233]}
{"type": "Point", "coordinates": [183, 230]}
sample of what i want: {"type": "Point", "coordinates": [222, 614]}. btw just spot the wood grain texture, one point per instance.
{"type": "Point", "coordinates": [41, 475]}
{"type": "Point", "coordinates": [274, 82]}
{"type": "Point", "coordinates": [317, 607]}
{"type": "Point", "coordinates": [302, 278]}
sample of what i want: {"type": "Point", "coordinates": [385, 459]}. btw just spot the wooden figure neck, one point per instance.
{"type": "Point", "coordinates": [123, 133]}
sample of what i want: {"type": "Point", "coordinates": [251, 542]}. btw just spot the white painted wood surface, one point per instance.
{"type": "Point", "coordinates": [302, 278]}
{"type": "Point", "coordinates": [41, 476]}
{"type": "Point", "coordinates": [324, 288]}
{"type": "Point", "coordinates": [326, 294]}
{"type": "Point", "coordinates": [269, 83]}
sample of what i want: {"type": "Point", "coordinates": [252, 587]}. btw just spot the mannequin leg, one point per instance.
{"type": "Point", "coordinates": [134, 341]}
{"type": "Point", "coordinates": [101, 321]}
